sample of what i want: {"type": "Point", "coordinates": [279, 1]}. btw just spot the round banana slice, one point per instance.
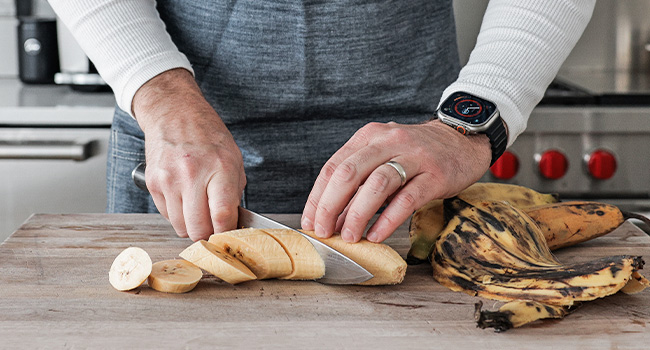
{"type": "Point", "coordinates": [174, 276]}
{"type": "Point", "coordinates": [130, 268]}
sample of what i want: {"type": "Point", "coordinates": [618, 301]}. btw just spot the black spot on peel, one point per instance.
{"type": "Point", "coordinates": [486, 264]}
{"type": "Point", "coordinates": [550, 310]}
{"type": "Point", "coordinates": [614, 270]}
{"type": "Point", "coordinates": [571, 291]}
{"type": "Point", "coordinates": [465, 284]}
{"type": "Point", "coordinates": [448, 249]}
{"type": "Point", "coordinates": [600, 213]}
{"type": "Point", "coordinates": [491, 220]}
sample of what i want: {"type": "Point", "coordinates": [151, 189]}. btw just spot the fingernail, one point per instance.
{"type": "Point", "coordinates": [320, 231]}
{"type": "Point", "coordinates": [371, 236]}
{"type": "Point", "coordinates": [306, 223]}
{"type": "Point", "coordinates": [346, 235]}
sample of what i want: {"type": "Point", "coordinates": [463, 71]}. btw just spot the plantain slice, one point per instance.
{"type": "Point", "coordinates": [174, 276]}
{"type": "Point", "coordinates": [130, 269]}
{"type": "Point", "coordinates": [217, 262]}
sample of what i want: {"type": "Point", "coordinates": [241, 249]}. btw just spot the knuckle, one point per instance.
{"type": "Point", "coordinates": [345, 172]}
{"type": "Point", "coordinates": [406, 200]}
{"type": "Point", "coordinates": [378, 182]}
{"type": "Point", "coordinates": [390, 221]}
{"type": "Point", "coordinates": [398, 134]}
{"type": "Point", "coordinates": [222, 214]}
{"type": "Point", "coordinates": [327, 171]}
{"type": "Point", "coordinates": [325, 211]}
{"type": "Point", "coordinates": [354, 216]}
{"type": "Point", "coordinates": [312, 202]}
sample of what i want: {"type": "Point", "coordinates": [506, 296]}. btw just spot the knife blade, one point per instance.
{"type": "Point", "coordinates": [339, 269]}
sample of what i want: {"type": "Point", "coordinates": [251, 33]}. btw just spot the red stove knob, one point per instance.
{"type": "Point", "coordinates": [553, 164]}
{"type": "Point", "coordinates": [601, 165]}
{"type": "Point", "coordinates": [506, 166]}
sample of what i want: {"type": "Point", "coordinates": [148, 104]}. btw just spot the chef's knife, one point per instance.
{"type": "Point", "coordinates": [339, 269]}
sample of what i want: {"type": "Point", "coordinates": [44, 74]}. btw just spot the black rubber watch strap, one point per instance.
{"type": "Point", "coordinates": [498, 135]}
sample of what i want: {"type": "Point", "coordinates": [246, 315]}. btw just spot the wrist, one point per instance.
{"type": "Point", "coordinates": [479, 143]}
{"type": "Point", "coordinates": [162, 90]}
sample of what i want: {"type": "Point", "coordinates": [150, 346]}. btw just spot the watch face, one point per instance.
{"type": "Point", "coordinates": [468, 108]}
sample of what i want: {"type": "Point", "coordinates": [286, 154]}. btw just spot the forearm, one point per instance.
{"type": "Point", "coordinates": [519, 50]}
{"type": "Point", "coordinates": [125, 39]}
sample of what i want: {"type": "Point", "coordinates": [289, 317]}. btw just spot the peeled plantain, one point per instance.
{"type": "Point", "coordinates": [428, 221]}
{"type": "Point", "coordinates": [494, 250]}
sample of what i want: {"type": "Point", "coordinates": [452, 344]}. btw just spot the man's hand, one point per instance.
{"type": "Point", "coordinates": [355, 183]}
{"type": "Point", "coordinates": [195, 171]}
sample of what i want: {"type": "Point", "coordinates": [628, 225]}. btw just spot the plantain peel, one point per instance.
{"type": "Point", "coordinates": [427, 222]}
{"type": "Point", "coordinates": [494, 250]}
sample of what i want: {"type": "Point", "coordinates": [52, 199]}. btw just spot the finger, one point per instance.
{"type": "Point", "coordinates": [224, 196]}
{"type": "Point", "coordinates": [343, 184]}
{"type": "Point", "coordinates": [359, 140]}
{"type": "Point", "coordinates": [414, 195]}
{"type": "Point", "coordinates": [174, 205]}
{"type": "Point", "coordinates": [197, 213]}
{"type": "Point", "coordinates": [341, 218]}
{"type": "Point", "coordinates": [381, 183]}
{"type": "Point", "coordinates": [159, 201]}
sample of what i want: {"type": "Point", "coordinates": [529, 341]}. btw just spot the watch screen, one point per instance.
{"type": "Point", "coordinates": [468, 108]}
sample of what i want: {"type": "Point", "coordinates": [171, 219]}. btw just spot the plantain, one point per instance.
{"type": "Point", "coordinates": [517, 313]}
{"type": "Point", "coordinates": [567, 223]}
{"type": "Point", "coordinates": [385, 264]}
{"type": "Point", "coordinates": [260, 252]}
{"type": "Point", "coordinates": [174, 276]}
{"type": "Point", "coordinates": [494, 250]}
{"type": "Point", "coordinates": [427, 222]}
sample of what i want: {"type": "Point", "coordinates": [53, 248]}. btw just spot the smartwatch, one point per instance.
{"type": "Point", "coordinates": [469, 114]}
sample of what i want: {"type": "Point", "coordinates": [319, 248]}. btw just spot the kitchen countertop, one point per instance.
{"type": "Point", "coordinates": [54, 293]}
{"type": "Point", "coordinates": [23, 104]}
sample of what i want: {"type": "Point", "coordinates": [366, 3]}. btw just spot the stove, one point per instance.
{"type": "Point", "coordinates": [589, 138]}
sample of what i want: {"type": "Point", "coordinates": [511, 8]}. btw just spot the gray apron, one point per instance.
{"type": "Point", "coordinates": [293, 80]}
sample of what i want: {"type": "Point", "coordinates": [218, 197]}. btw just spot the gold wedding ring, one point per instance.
{"type": "Point", "coordinates": [400, 170]}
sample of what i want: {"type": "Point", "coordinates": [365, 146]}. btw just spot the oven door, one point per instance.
{"type": "Point", "coordinates": [51, 170]}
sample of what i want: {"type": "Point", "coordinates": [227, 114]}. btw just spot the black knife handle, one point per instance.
{"type": "Point", "coordinates": [138, 178]}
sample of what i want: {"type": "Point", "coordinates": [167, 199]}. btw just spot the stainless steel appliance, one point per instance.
{"type": "Point", "coordinates": [590, 136]}
{"type": "Point", "coordinates": [53, 144]}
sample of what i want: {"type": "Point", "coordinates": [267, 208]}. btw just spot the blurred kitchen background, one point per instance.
{"type": "Point", "coordinates": [589, 138]}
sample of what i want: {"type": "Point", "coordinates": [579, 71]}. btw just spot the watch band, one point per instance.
{"type": "Point", "coordinates": [498, 135]}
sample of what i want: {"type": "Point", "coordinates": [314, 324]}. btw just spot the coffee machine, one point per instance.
{"type": "Point", "coordinates": [48, 53]}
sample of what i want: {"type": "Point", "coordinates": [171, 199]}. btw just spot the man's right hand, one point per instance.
{"type": "Point", "coordinates": [195, 172]}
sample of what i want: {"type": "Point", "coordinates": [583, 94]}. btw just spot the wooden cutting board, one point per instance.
{"type": "Point", "coordinates": [54, 293]}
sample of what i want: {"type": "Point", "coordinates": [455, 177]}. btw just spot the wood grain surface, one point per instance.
{"type": "Point", "coordinates": [54, 293]}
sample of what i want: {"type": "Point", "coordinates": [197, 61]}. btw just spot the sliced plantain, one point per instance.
{"type": "Point", "coordinates": [306, 263]}
{"type": "Point", "coordinates": [260, 252]}
{"type": "Point", "coordinates": [217, 262]}
{"type": "Point", "coordinates": [130, 269]}
{"type": "Point", "coordinates": [174, 276]}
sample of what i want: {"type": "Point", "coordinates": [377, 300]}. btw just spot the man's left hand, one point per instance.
{"type": "Point", "coordinates": [356, 181]}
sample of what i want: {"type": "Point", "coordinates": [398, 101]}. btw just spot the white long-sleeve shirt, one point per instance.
{"type": "Point", "coordinates": [520, 48]}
